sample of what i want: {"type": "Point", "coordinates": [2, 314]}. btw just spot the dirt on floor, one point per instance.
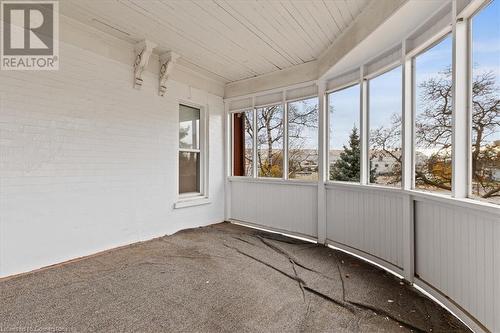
{"type": "Point", "coordinates": [220, 278]}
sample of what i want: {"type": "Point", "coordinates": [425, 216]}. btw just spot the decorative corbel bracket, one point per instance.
{"type": "Point", "coordinates": [167, 61]}
{"type": "Point", "coordinates": [143, 50]}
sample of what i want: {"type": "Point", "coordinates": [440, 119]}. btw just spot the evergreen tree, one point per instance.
{"type": "Point", "coordinates": [348, 166]}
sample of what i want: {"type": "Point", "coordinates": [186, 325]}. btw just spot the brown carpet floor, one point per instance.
{"type": "Point", "coordinates": [221, 278]}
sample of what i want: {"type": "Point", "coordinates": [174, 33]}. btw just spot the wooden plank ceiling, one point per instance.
{"type": "Point", "coordinates": [231, 39]}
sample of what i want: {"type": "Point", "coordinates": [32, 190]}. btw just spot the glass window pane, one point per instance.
{"type": "Point", "coordinates": [270, 141]}
{"type": "Point", "coordinates": [189, 127]}
{"type": "Point", "coordinates": [344, 155]}
{"type": "Point", "coordinates": [385, 109]}
{"type": "Point", "coordinates": [303, 139]}
{"type": "Point", "coordinates": [243, 144]}
{"type": "Point", "coordinates": [189, 172]}
{"type": "Point", "coordinates": [433, 118]}
{"type": "Point", "coordinates": [485, 152]}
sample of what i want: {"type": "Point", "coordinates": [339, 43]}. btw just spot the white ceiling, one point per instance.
{"type": "Point", "coordinates": [231, 39]}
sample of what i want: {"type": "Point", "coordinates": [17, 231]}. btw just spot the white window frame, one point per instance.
{"type": "Point", "coordinates": [283, 145]}
{"type": "Point", "coordinates": [451, 18]}
{"type": "Point", "coordinates": [286, 142]}
{"type": "Point", "coordinates": [201, 197]}
{"type": "Point", "coordinates": [254, 109]}
{"type": "Point", "coordinates": [327, 128]}
{"type": "Point", "coordinates": [421, 49]}
{"type": "Point", "coordinates": [231, 136]}
{"type": "Point", "coordinates": [468, 16]}
{"type": "Point", "coordinates": [366, 117]}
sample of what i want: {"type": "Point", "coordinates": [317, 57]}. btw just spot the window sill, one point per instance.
{"type": "Point", "coordinates": [190, 202]}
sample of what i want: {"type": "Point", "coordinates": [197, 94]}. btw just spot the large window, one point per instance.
{"type": "Point", "coordinates": [485, 114]}
{"type": "Point", "coordinates": [189, 150]}
{"type": "Point", "coordinates": [270, 141]}
{"type": "Point", "coordinates": [433, 118]}
{"type": "Point", "coordinates": [303, 139]}
{"type": "Point", "coordinates": [344, 146]}
{"type": "Point", "coordinates": [243, 143]}
{"type": "Point", "coordinates": [385, 109]}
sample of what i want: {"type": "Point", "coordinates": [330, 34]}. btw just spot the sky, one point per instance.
{"type": "Point", "coordinates": [486, 39]}
{"type": "Point", "coordinates": [385, 98]}
{"type": "Point", "coordinates": [344, 114]}
{"type": "Point", "coordinates": [310, 134]}
{"type": "Point", "coordinates": [486, 44]}
{"type": "Point", "coordinates": [430, 64]}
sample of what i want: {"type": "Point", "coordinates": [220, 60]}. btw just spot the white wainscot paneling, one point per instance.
{"type": "Point", "coordinates": [367, 220]}
{"type": "Point", "coordinates": [277, 205]}
{"type": "Point", "coordinates": [457, 252]}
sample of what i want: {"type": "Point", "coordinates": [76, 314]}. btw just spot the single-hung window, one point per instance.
{"type": "Point", "coordinates": [189, 150]}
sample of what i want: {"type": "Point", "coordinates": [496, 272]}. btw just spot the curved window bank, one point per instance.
{"type": "Point", "coordinates": [401, 164]}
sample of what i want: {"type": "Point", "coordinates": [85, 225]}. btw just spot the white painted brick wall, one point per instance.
{"type": "Point", "coordinates": [88, 163]}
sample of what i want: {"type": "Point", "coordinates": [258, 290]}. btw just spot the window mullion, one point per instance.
{"type": "Point", "coordinates": [408, 120]}
{"type": "Point", "coordinates": [285, 140]}
{"type": "Point", "coordinates": [460, 109]}
{"type": "Point", "coordinates": [364, 165]}
{"type": "Point", "coordinates": [254, 152]}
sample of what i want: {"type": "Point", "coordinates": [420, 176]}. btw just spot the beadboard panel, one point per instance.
{"type": "Point", "coordinates": [367, 220]}
{"type": "Point", "coordinates": [231, 40]}
{"type": "Point", "coordinates": [457, 253]}
{"type": "Point", "coordinates": [281, 206]}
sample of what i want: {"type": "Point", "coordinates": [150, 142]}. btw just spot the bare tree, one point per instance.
{"type": "Point", "coordinates": [433, 130]}
{"type": "Point", "coordinates": [485, 123]}
{"type": "Point", "coordinates": [270, 136]}
{"type": "Point", "coordinates": [299, 120]}
{"type": "Point", "coordinates": [269, 141]}
{"type": "Point", "coordinates": [385, 141]}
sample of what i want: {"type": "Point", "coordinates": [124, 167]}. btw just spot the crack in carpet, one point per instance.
{"type": "Point", "coordinates": [351, 306]}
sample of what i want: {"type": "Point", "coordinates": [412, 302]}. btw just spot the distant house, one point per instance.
{"type": "Point", "coordinates": [380, 161]}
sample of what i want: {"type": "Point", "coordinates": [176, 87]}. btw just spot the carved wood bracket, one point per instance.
{"type": "Point", "coordinates": [143, 50]}
{"type": "Point", "coordinates": [167, 61]}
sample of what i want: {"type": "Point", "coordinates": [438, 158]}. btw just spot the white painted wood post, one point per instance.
{"type": "Point", "coordinates": [363, 131]}
{"type": "Point", "coordinates": [322, 161]}
{"type": "Point", "coordinates": [407, 167]}
{"type": "Point", "coordinates": [228, 164]}
{"type": "Point", "coordinates": [408, 111]}
{"type": "Point", "coordinates": [460, 138]}
{"type": "Point", "coordinates": [254, 144]}
{"type": "Point", "coordinates": [285, 136]}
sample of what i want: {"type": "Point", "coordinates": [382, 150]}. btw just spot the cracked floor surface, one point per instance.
{"type": "Point", "coordinates": [220, 278]}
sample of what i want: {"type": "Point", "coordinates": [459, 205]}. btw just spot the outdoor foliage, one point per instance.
{"type": "Point", "coordinates": [347, 167]}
